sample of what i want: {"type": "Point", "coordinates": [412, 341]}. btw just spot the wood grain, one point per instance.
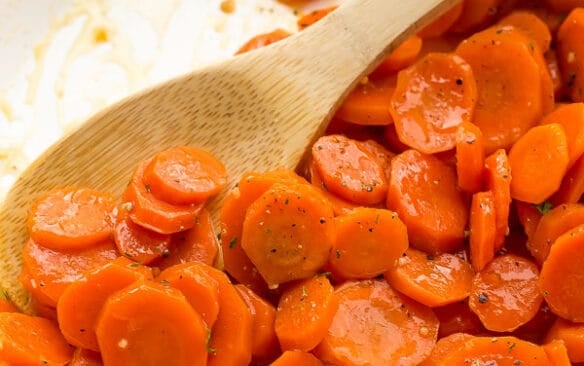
{"type": "Point", "coordinates": [257, 111]}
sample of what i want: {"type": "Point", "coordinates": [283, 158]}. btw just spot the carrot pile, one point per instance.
{"type": "Point", "coordinates": [438, 222]}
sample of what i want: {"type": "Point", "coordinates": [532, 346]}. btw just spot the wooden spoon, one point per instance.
{"type": "Point", "coordinates": [256, 111]}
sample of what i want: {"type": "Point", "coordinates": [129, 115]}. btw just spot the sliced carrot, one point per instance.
{"type": "Point", "coordinates": [375, 325]}
{"type": "Point", "coordinates": [152, 213]}
{"type": "Point", "coordinates": [553, 66]}
{"type": "Point", "coordinates": [571, 118]}
{"type": "Point", "coordinates": [296, 358]}
{"type": "Point", "coordinates": [457, 318]}
{"type": "Point", "coordinates": [505, 294]}
{"type": "Point", "coordinates": [432, 280]}
{"type": "Point", "coordinates": [483, 229]}
{"type": "Point", "coordinates": [445, 346]}
{"type": "Point", "coordinates": [403, 56]}
{"type": "Point", "coordinates": [538, 160]}
{"type": "Point", "coordinates": [509, 83]}
{"type": "Point", "coordinates": [199, 288]}
{"type": "Point", "coordinates": [476, 14]}
{"type": "Point", "coordinates": [532, 26]}
{"type": "Point", "coordinates": [368, 103]}
{"type": "Point", "coordinates": [304, 313]}
{"type": "Point", "coordinates": [5, 304]}
{"type": "Point", "coordinates": [498, 180]}
{"type": "Point", "coordinates": [185, 175]}
{"type": "Point", "coordinates": [442, 24]}
{"type": "Point", "coordinates": [367, 243]}
{"type": "Point", "coordinates": [423, 192]}
{"type": "Point", "coordinates": [309, 19]}
{"type": "Point", "coordinates": [529, 216]}
{"type": "Point", "coordinates": [31, 340]}
{"type": "Point", "coordinates": [561, 275]}
{"type": "Point", "coordinates": [571, 53]}
{"type": "Point", "coordinates": [196, 244]}
{"type": "Point", "coordinates": [84, 357]}
{"type": "Point", "coordinates": [263, 40]}
{"type": "Point", "coordinates": [340, 205]}
{"type": "Point", "coordinates": [535, 330]}
{"type": "Point", "coordinates": [381, 152]}
{"type": "Point", "coordinates": [557, 353]}
{"type": "Point", "coordinates": [71, 218]}
{"type": "Point", "coordinates": [265, 344]}
{"type": "Point", "coordinates": [148, 323]}
{"type": "Point", "coordinates": [349, 171]}
{"type": "Point", "coordinates": [573, 336]}
{"type": "Point", "coordinates": [46, 273]}
{"type": "Point", "coordinates": [470, 157]}
{"type": "Point", "coordinates": [230, 342]}
{"type": "Point", "coordinates": [79, 307]}
{"type": "Point", "coordinates": [427, 109]}
{"type": "Point", "coordinates": [506, 351]}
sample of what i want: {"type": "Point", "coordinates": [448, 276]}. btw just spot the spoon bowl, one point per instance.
{"type": "Point", "coordinates": [257, 111]}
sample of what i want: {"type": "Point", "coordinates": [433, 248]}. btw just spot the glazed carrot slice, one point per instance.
{"type": "Point", "coordinates": [375, 325]}
{"type": "Point", "coordinates": [349, 171]}
{"type": "Point", "coordinates": [152, 213]}
{"type": "Point", "coordinates": [136, 242]}
{"type": "Point", "coordinates": [529, 216]}
{"type": "Point", "coordinates": [295, 358]}
{"type": "Point", "coordinates": [505, 294]}
{"type": "Point", "coordinates": [457, 318]}
{"type": "Point", "coordinates": [532, 26]}
{"type": "Point", "coordinates": [226, 346]}
{"type": "Point", "coordinates": [184, 175]}
{"type": "Point", "coordinates": [470, 157]}
{"type": "Point", "coordinates": [84, 357]}
{"type": "Point", "coordinates": [432, 280]}
{"type": "Point", "coordinates": [427, 109]}
{"type": "Point", "coordinates": [288, 232]}
{"type": "Point", "coordinates": [196, 244]}
{"type": "Point", "coordinates": [444, 346]}
{"type": "Point", "coordinates": [571, 118]}
{"type": "Point", "coordinates": [46, 273]}
{"type": "Point", "coordinates": [573, 336]}
{"type": "Point", "coordinates": [309, 19]}
{"type": "Point", "coordinates": [31, 340]}
{"type": "Point", "coordinates": [403, 56]}
{"type": "Point", "coordinates": [381, 152]}
{"type": "Point", "coordinates": [571, 53]}
{"type": "Point", "coordinates": [535, 330]}
{"type": "Point", "coordinates": [265, 344]}
{"type": "Point", "coordinates": [561, 273]}
{"type": "Point", "coordinates": [148, 323]}
{"type": "Point", "coordinates": [423, 192]}
{"type": "Point", "coordinates": [572, 186]}
{"type": "Point", "coordinates": [367, 243]}
{"type": "Point", "coordinates": [476, 14]}
{"type": "Point", "coordinates": [508, 84]}
{"type": "Point", "coordinates": [498, 180]}
{"type": "Point", "coordinates": [79, 307]}
{"type": "Point", "coordinates": [538, 160]}
{"type": "Point", "coordinates": [71, 218]}
{"type": "Point", "coordinates": [557, 353]}
{"type": "Point", "coordinates": [263, 40]}
{"type": "Point", "coordinates": [440, 25]}
{"type": "Point", "coordinates": [483, 229]}
{"type": "Point", "coordinates": [304, 313]}
{"type": "Point", "coordinates": [368, 103]}
{"type": "Point", "coordinates": [340, 206]}
{"type": "Point", "coordinates": [199, 288]}
{"type": "Point", "coordinates": [554, 223]}
{"type": "Point", "coordinates": [507, 351]}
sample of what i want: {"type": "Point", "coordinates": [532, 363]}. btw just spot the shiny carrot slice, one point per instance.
{"type": "Point", "coordinates": [296, 358]}
{"type": "Point", "coordinates": [498, 180]}
{"type": "Point", "coordinates": [571, 53]}
{"type": "Point", "coordinates": [470, 157]}
{"type": "Point", "coordinates": [84, 357]}
{"type": "Point", "coordinates": [442, 24]}
{"type": "Point", "coordinates": [483, 229]}
{"type": "Point", "coordinates": [572, 334]}
{"type": "Point", "coordinates": [532, 26]}
{"type": "Point", "coordinates": [403, 56]}
{"type": "Point", "coordinates": [263, 40]}
{"type": "Point", "coordinates": [309, 19]}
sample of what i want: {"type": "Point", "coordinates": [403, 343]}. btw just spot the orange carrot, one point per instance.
{"type": "Point", "coordinates": [440, 25]}
{"type": "Point", "coordinates": [263, 40]}
{"type": "Point", "coordinates": [529, 216]}
{"type": "Point", "coordinates": [426, 109]}
{"type": "Point", "coordinates": [571, 53]}
{"type": "Point", "coordinates": [340, 205]}
{"type": "Point", "coordinates": [572, 186]}
{"type": "Point", "coordinates": [30, 340]}
{"type": "Point", "coordinates": [557, 353]}
{"type": "Point", "coordinates": [367, 243]}
{"type": "Point", "coordinates": [71, 218]}
{"type": "Point", "coordinates": [152, 213]}
{"type": "Point", "coordinates": [185, 175]}
{"type": "Point", "coordinates": [432, 280]}
{"type": "Point", "coordinates": [457, 318]}
{"type": "Point", "coordinates": [79, 307]}
{"type": "Point", "coordinates": [265, 344]}
{"type": "Point", "coordinates": [571, 118]}
{"type": "Point", "coordinates": [305, 312]}
{"type": "Point", "coordinates": [483, 229]}
{"type": "Point", "coordinates": [551, 59]}
{"type": "Point", "coordinates": [296, 358]}
{"type": "Point", "coordinates": [199, 288]}
{"type": "Point", "coordinates": [392, 139]}
{"type": "Point", "coordinates": [445, 346]}
{"type": "Point", "coordinates": [309, 19]}
{"type": "Point", "coordinates": [498, 180]}
{"type": "Point", "coordinates": [470, 157]}
{"type": "Point", "coordinates": [349, 171]}
{"type": "Point", "coordinates": [504, 294]}
{"type": "Point", "coordinates": [6, 304]}
{"type": "Point", "coordinates": [532, 26]}
{"type": "Point", "coordinates": [573, 336]}
{"type": "Point", "coordinates": [381, 152]}
{"type": "Point", "coordinates": [375, 325]}
{"type": "Point", "coordinates": [561, 275]}
{"type": "Point", "coordinates": [476, 14]}
{"type": "Point", "coordinates": [403, 56]}
{"type": "Point", "coordinates": [84, 357]}
{"type": "Point", "coordinates": [423, 192]}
